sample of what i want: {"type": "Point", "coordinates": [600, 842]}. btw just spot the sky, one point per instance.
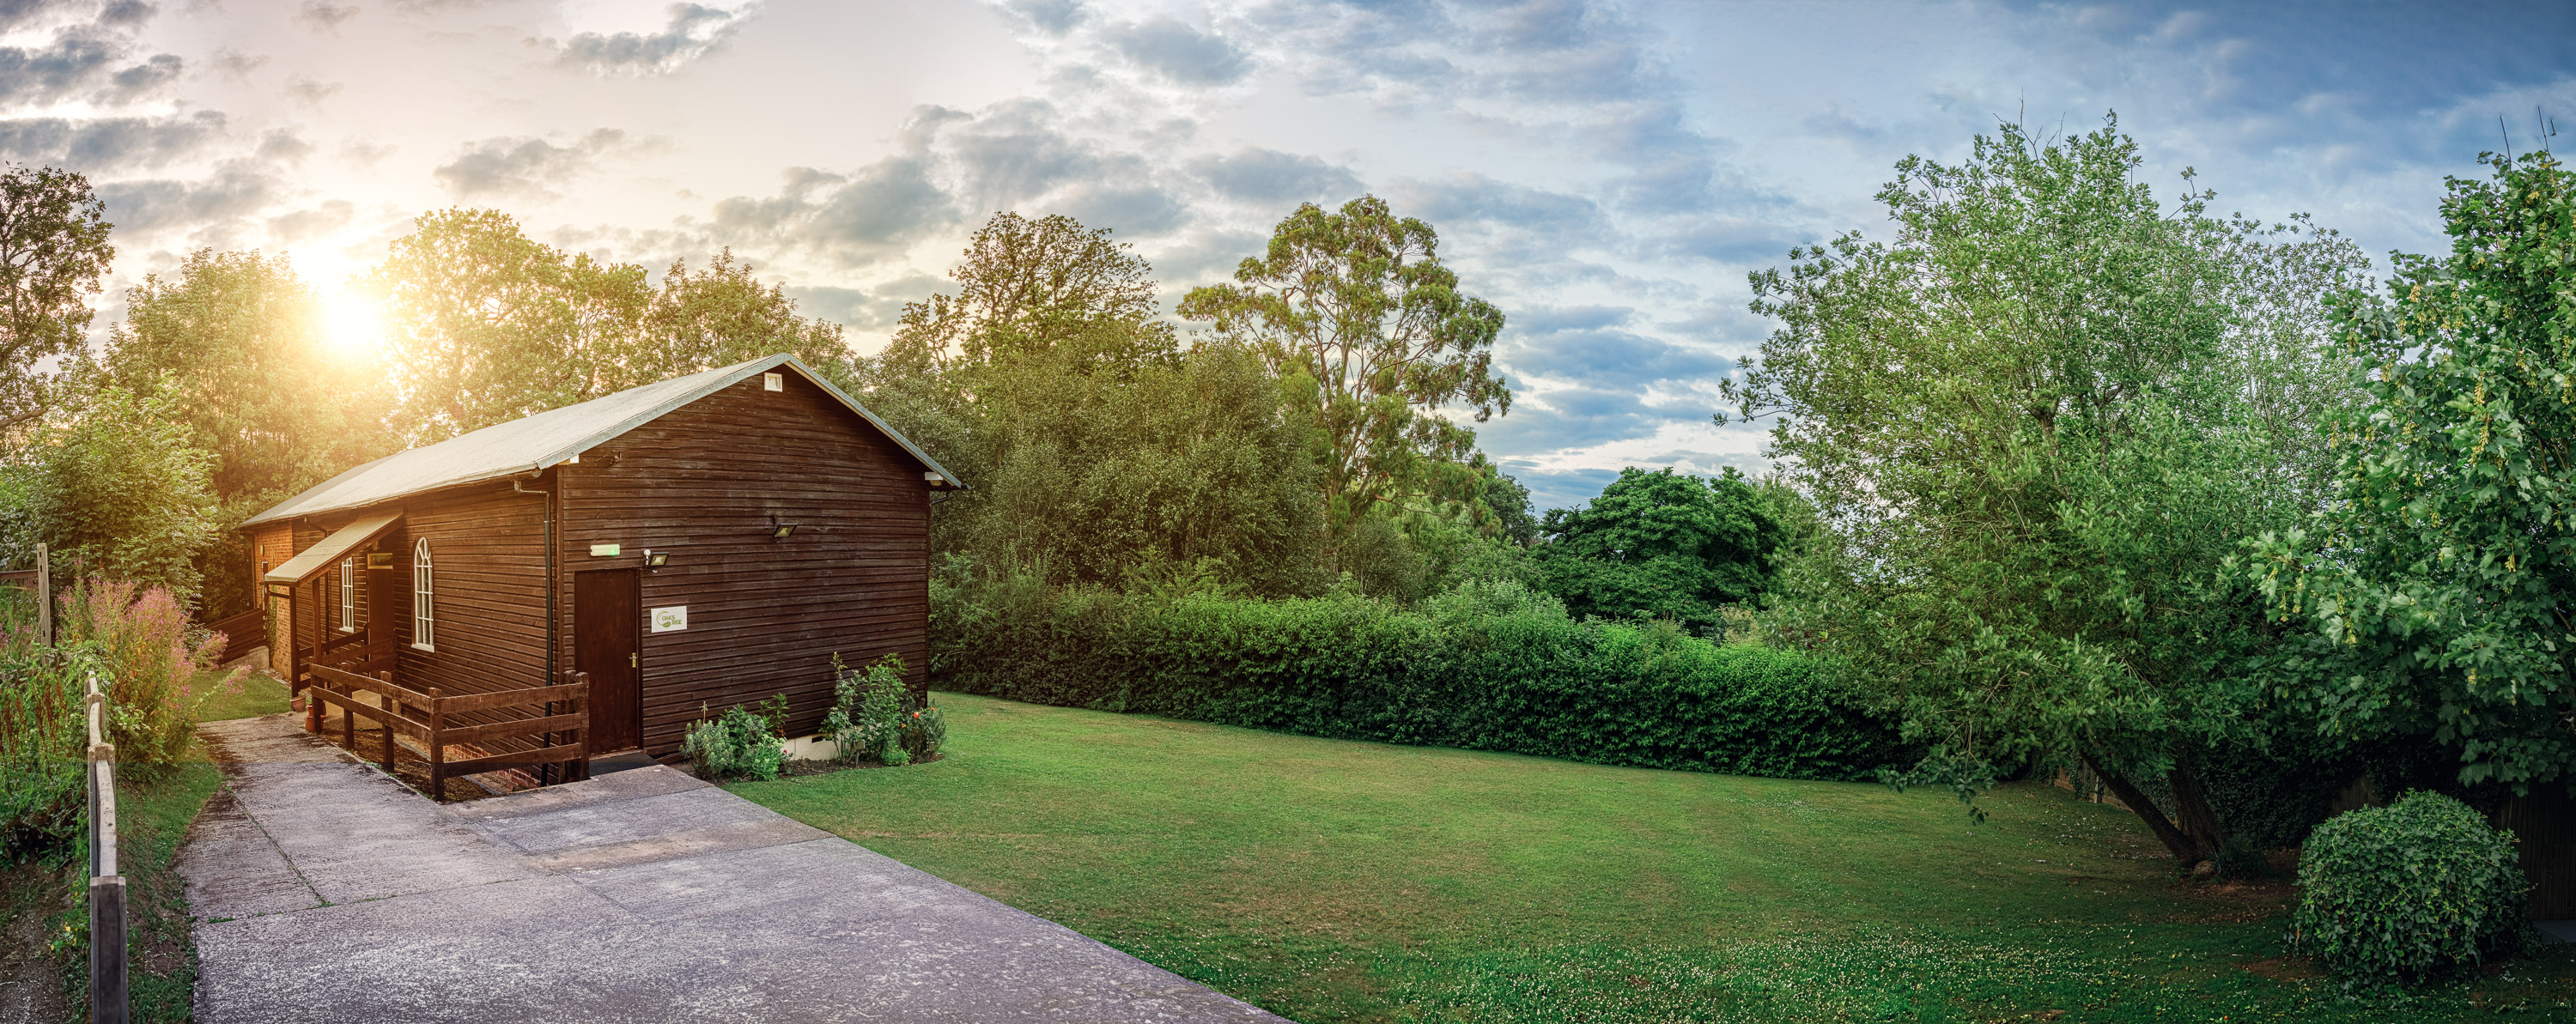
{"type": "Point", "coordinates": [1607, 174]}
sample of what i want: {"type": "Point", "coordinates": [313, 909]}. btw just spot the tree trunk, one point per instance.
{"type": "Point", "coordinates": [2191, 805]}
{"type": "Point", "coordinates": [2177, 843]}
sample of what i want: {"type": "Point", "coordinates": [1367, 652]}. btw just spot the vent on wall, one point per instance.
{"type": "Point", "coordinates": [773, 382]}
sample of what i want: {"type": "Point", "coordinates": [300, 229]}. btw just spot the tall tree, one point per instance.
{"type": "Point", "coordinates": [488, 325]}
{"type": "Point", "coordinates": [2441, 578]}
{"type": "Point", "coordinates": [721, 315]}
{"type": "Point", "coordinates": [1097, 450]}
{"type": "Point", "coordinates": [1662, 545]}
{"type": "Point", "coordinates": [53, 249]}
{"type": "Point", "coordinates": [1355, 308]}
{"type": "Point", "coordinates": [2033, 428]}
{"type": "Point", "coordinates": [234, 341]}
{"type": "Point", "coordinates": [109, 476]}
{"type": "Point", "coordinates": [1031, 287]}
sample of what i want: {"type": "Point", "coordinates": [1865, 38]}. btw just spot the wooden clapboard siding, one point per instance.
{"type": "Point", "coordinates": [765, 616]}
{"type": "Point", "coordinates": [2544, 824]}
{"type": "Point", "coordinates": [487, 573]}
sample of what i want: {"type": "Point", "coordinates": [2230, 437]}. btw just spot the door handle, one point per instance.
{"type": "Point", "coordinates": [630, 660]}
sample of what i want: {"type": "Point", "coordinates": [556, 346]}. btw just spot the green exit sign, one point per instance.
{"type": "Point", "coordinates": [603, 551]}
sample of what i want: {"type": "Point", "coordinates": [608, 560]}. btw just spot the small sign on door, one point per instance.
{"type": "Point", "coordinates": [672, 619]}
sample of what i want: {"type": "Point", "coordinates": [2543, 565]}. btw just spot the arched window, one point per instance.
{"type": "Point", "coordinates": [348, 595]}
{"type": "Point", "coordinates": [424, 633]}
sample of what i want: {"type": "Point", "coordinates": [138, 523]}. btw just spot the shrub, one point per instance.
{"type": "Point", "coordinates": [149, 657]}
{"type": "Point", "coordinates": [737, 745]}
{"type": "Point", "coordinates": [42, 731]}
{"type": "Point", "coordinates": [1490, 665]}
{"type": "Point", "coordinates": [2409, 891]}
{"type": "Point", "coordinates": [870, 713]}
{"type": "Point", "coordinates": [924, 729]}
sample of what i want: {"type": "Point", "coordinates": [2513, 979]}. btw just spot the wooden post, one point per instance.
{"type": "Point", "coordinates": [386, 700]}
{"type": "Point", "coordinates": [107, 1004]}
{"type": "Point", "coordinates": [107, 1001]}
{"type": "Point", "coordinates": [44, 596]}
{"type": "Point", "coordinates": [437, 747]}
{"type": "Point", "coordinates": [581, 733]}
{"type": "Point", "coordinates": [348, 716]}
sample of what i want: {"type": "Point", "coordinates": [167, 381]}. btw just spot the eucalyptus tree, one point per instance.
{"type": "Point", "coordinates": [2441, 579]}
{"type": "Point", "coordinates": [2033, 426]}
{"type": "Point", "coordinates": [1356, 311]}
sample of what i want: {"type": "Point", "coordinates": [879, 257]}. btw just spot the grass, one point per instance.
{"type": "Point", "coordinates": [154, 809]}
{"type": "Point", "coordinates": [1341, 881]}
{"type": "Point", "coordinates": [259, 694]}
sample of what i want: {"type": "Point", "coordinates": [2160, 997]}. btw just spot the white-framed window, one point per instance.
{"type": "Point", "coordinates": [348, 595]}
{"type": "Point", "coordinates": [424, 633]}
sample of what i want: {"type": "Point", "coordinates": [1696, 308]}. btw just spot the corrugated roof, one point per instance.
{"type": "Point", "coordinates": [532, 443]}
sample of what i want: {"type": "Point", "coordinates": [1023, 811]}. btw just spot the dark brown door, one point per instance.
{"type": "Point", "coordinates": [607, 624]}
{"type": "Point", "coordinates": [388, 612]}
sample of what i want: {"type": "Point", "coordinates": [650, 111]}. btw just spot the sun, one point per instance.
{"type": "Point", "coordinates": [352, 323]}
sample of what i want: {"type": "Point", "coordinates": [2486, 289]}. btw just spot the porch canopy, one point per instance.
{"type": "Point", "coordinates": [332, 548]}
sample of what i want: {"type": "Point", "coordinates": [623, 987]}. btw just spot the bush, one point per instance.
{"type": "Point", "coordinates": [1490, 665]}
{"type": "Point", "coordinates": [737, 745]}
{"type": "Point", "coordinates": [149, 657]}
{"type": "Point", "coordinates": [42, 731]}
{"type": "Point", "coordinates": [2409, 891]}
{"type": "Point", "coordinates": [874, 718]}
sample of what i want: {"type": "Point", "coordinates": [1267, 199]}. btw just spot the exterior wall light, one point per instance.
{"type": "Point", "coordinates": [656, 559]}
{"type": "Point", "coordinates": [780, 530]}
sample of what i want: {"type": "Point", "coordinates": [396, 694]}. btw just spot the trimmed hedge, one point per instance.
{"type": "Point", "coordinates": [2414, 890]}
{"type": "Point", "coordinates": [1490, 666]}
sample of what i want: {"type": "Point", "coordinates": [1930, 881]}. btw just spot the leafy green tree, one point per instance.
{"type": "Point", "coordinates": [488, 325]}
{"type": "Point", "coordinates": [1356, 311]}
{"type": "Point", "coordinates": [110, 477]}
{"type": "Point", "coordinates": [719, 316]}
{"type": "Point", "coordinates": [1097, 451]}
{"type": "Point", "coordinates": [1509, 504]}
{"type": "Point", "coordinates": [53, 249]}
{"type": "Point", "coordinates": [1661, 545]}
{"type": "Point", "coordinates": [1034, 288]}
{"type": "Point", "coordinates": [2033, 427]}
{"type": "Point", "coordinates": [234, 341]}
{"type": "Point", "coordinates": [2441, 578]}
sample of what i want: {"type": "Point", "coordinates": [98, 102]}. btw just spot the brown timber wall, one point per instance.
{"type": "Point", "coordinates": [487, 591]}
{"type": "Point", "coordinates": [765, 616]}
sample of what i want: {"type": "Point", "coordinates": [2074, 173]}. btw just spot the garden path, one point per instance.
{"type": "Point", "coordinates": [326, 891]}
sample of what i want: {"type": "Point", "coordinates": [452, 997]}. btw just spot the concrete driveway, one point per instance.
{"type": "Point", "coordinates": [326, 891]}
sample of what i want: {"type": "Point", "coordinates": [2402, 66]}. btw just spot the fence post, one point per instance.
{"type": "Point", "coordinates": [44, 596]}
{"type": "Point", "coordinates": [437, 746]}
{"type": "Point", "coordinates": [107, 976]}
{"type": "Point", "coordinates": [385, 700]}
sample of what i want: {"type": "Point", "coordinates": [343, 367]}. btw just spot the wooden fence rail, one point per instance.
{"type": "Point", "coordinates": [107, 1003]}
{"type": "Point", "coordinates": [242, 633]}
{"type": "Point", "coordinates": [422, 715]}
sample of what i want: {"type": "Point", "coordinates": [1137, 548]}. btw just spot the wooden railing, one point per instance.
{"type": "Point", "coordinates": [107, 1003]}
{"type": "Point", "coordinates": [423, 716]}
{"type": "Point", "coordinates": [241, 632]}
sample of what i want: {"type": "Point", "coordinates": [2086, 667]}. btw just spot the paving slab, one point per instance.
{"type": "Point", "coordinates": [645, 895]}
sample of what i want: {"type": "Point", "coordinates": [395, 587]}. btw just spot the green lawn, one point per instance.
{"type": "Point", "coordinates": [1331, 880]}
{"type": "Point", "coordinates": [258, 694]}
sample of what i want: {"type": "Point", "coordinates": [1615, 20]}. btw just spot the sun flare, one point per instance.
{"type": "Point", "coordinates": [352, 323]}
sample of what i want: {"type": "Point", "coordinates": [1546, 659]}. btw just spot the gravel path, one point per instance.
{"type": "Point", "coordinates": [326, 891]}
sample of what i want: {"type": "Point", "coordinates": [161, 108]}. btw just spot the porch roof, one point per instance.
{"type": "Point", "coordinates": [341, 541]}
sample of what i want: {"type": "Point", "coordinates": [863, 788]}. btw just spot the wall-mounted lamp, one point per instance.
{"type": "Point", "coordinates": [780, 530]}
{"type": "Point", "coordinates": [656, 559]}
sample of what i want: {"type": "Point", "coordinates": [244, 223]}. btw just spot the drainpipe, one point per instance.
{"type": "Point", "coordinates": [553, 621]}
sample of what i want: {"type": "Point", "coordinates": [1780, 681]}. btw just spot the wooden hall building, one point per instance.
{"type": "Point", "coordinates": [710, 540]}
